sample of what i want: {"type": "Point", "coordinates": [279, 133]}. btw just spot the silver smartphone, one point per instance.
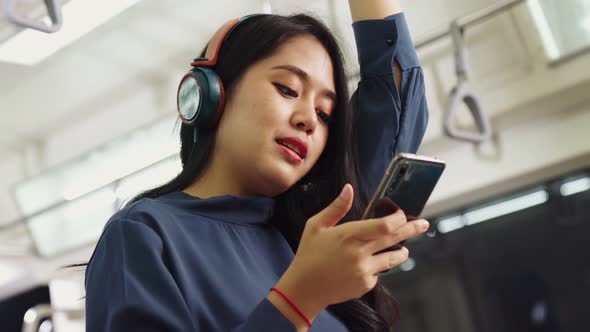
{"type": "Point", "coordinates": [407, 184]}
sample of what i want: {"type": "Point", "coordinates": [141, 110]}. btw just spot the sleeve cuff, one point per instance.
{"type": "Point", "coordinates": [380, 41]}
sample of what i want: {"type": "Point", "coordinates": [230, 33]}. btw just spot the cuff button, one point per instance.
{"type": "Point", "coordinates": [389, 41]}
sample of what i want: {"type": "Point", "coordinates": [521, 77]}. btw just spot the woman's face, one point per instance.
{"type": "Point", "coordinates": [275, 123]}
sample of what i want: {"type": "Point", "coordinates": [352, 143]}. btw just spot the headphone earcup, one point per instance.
{"type": "Point", "coordinates": [200, 98]}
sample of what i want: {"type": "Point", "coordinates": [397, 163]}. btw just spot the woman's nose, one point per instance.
{"type": "Point", "coordinates": [305, 118]}
{"type": "Point", "coordinates": [305, 127]}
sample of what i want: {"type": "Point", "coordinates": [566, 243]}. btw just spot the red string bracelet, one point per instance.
{"type": "Point", "coordinates": [292, 305]}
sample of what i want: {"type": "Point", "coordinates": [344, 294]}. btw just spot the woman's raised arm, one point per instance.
{"type": "Point", "coordinates": [373, 9]}
{"type": "Point", "coordinates": [361, 10]}
{"type": "Point", "coordinates": [390, 105]}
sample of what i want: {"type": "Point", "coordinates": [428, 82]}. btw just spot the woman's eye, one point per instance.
{"type": "Point", "coordinates": [324, 117]}
{"type": "Point", "coordinates": [286, 90]}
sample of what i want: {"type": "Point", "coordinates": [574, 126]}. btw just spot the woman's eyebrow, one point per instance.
{"type": "Point", "coordinates": [304, 77]}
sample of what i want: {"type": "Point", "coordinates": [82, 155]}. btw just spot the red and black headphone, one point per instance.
{"type": "Point", "coordinates": [201, 96]}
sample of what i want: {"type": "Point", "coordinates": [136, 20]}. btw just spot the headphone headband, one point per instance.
{"type": "Point", "coordinates": [212, 52]}
{"type": "Point", "coordinates": [201, 96]}
{"type": "Point", "coordinates": [215, 43]}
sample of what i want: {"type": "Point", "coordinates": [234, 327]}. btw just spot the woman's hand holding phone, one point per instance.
{"type": "Point", "coordinates": [335, 263]}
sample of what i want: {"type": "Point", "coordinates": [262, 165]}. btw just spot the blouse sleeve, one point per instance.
{"type": "Point", "coordinates": [387, 121]}
{"type": "Point", "coordinates": [129, 288]}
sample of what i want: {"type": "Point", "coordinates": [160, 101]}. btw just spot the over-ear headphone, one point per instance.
{"type": "Point", "coordinates": [201, 96]}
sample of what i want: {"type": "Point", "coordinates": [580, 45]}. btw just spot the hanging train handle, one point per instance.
{"type": "Point", "coordinates": [53, 9]}
{"type": "Point", "coordinates": [464, 92]}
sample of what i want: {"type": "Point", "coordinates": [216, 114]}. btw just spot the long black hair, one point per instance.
{"type": "Point", "coordinates": [254, 40]}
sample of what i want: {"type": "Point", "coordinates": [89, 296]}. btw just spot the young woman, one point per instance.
{"type": "Point", "coordinates": [265, 198]}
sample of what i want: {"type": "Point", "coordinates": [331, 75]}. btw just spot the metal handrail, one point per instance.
{"type": "Point", "coordinates": [53, 10]}
{"type": "Point", "coordinates": [470, 19]}
{"type": "Point", "coordinates": [35, 315]}
{"type": "Point", "coordinates": [464, 92]}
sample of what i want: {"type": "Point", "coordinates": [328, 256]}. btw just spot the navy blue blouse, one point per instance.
{"type": "Point", "coordinates": [387, 121]}
{"type": "Point", "coordinates": [179, 263]}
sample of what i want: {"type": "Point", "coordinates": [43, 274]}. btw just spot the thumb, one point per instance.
{"type": "Point", "coordinates": [332, 214]}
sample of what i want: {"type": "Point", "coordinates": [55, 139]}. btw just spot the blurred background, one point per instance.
{"type": "Point", "coordinates": [87, 120]}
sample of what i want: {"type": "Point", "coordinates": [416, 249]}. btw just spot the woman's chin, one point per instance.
{"type": "Point", "coordinates": [275, 176]}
